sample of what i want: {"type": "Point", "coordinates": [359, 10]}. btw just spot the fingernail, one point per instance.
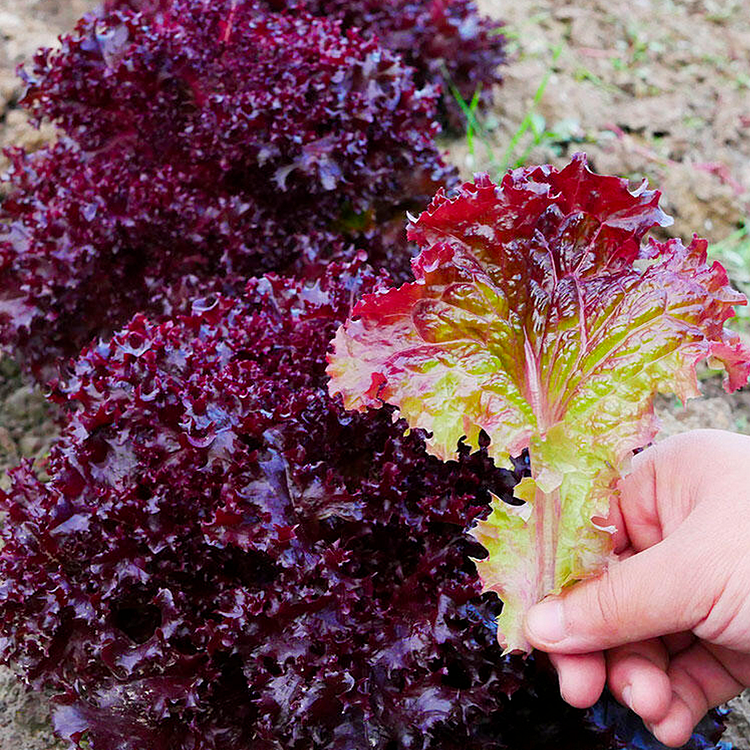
{"type": "Point", "coordinates": [627, 696]}
{"type": "Point", "coordinates": [545, 621]}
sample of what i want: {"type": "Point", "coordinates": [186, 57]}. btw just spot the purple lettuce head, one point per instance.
{"type": "Point", "coordinates": [203, 146]}
{"type": "Point", "coordinates": [447, 42]}
{"type": "Point", "coordinates": [223, 557]}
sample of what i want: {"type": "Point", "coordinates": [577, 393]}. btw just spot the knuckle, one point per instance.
{"type": "Point", "coordinates": [720, 624]}
{"type": "Point", "coordinates": [605, 601]}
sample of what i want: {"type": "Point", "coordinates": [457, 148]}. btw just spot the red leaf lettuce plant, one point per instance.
{"type": "Point", "coordinates": [200, 146]}
{"type": "Point", "coordinates": [447, 42]}
{"type": "Point", "coordinates": [541, 317]}
{"type": "Point", "coordinates": [223, 558]}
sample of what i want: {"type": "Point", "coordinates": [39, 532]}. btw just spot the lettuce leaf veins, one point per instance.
{"type": "Point", "coordinates": [542, 316]}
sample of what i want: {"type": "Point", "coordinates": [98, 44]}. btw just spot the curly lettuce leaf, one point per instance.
{"type": "Point", "coordinates": [541, 316]}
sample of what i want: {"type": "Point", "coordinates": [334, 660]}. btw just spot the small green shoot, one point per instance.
{"type": "Point", "coordinates": [469, 126]}
{"type": "Point", "coordinates": [528, 121]}
{"type": "Point", "coordinates": [475, 128]}
{"type": "Point", "coordinates": [533, 123]}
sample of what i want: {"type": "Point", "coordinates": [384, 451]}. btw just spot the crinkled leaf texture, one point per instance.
{"type": "Point", "coordinates": [541, 316]}
{"type": "Point", "coordinates": [200, 146]}
{"type": "Point", "coordinates": [447, 43]}
{"type": "Point", "coordinates": [223, 558]}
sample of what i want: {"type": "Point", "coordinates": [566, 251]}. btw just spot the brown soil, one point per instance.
{"type": "Point", "coordinates": [656, 89]}
{"type": "Point", "coordinates": [647, 88]}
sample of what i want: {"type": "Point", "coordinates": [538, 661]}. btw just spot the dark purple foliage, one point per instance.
{"type": "Point", "coordinates": [446, 41]}
{"type": "Point", "coordinates": [223, 558]}
{"type": "Point", "coordinates": [203, 146]}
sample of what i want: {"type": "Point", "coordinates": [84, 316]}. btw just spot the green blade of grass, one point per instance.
{"type": "Point", "coordinates": [469, 128]}
{"type": "Point", "coordinates": [528, 120]}
{"type": "Point", "coordinates": [474, 126]}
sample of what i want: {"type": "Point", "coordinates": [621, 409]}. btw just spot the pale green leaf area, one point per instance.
{"type": "Point", "coordinates": [557, 344]}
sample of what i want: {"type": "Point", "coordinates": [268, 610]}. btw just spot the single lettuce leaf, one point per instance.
{"type": "Point", "coordinates": [541, 316]}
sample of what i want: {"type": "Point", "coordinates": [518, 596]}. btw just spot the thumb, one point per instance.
{"type": "Point", "coordinates": [656, 592]}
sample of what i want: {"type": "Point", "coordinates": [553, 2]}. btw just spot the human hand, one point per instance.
{"type": "Point", "coordinates": [667, 626]}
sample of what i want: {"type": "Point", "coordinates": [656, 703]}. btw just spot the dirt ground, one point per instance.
{"type": "Point", "coordinates": [647, 88]}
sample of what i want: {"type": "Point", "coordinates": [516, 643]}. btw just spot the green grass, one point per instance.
{"type": "Point", "coordinates": [533, 125]}
{"type": "Point", "coordinates": [532, 121]}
